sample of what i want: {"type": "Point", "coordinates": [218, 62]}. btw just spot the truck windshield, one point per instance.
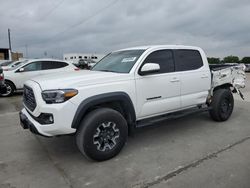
{"type": "Point", "coordinates": [120, 62]}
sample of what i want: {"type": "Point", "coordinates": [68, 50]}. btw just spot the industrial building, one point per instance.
{"type": "Point", "coordinates": [7, 55]}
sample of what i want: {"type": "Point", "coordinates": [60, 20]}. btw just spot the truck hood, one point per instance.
{"type": "Point", "coordinates": [77, 79]}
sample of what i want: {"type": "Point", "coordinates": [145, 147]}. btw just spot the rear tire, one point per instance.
{"type": "Point", "coordinates": [10, 89]}
{"type": "Point", "coordinates": [102, 134]}
{"type": "Point", "coordinates": [222, 105]}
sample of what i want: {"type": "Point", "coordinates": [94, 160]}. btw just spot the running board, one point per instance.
{"type": "Point", "coordinates": [173, 115]}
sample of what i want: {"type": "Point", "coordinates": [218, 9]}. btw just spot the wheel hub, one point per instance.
{"type": "Point", "coordinates": [8, 90]}
{"type": "Point", "coordinates": [106, 136]}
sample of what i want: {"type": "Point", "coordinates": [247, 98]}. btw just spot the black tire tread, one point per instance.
{"type": "Point", "coordinates": [87, 123]}
{"type": "Point", "coordinates": [218, 95]}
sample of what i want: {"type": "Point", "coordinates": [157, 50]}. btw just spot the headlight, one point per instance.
{"type": "Point", "coordinates": [58, 96]}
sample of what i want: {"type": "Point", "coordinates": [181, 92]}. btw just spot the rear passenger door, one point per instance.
{"type": "Point", "coordinates": [158, 93]}
{"type": "Point", "coordinates": [194, 76]}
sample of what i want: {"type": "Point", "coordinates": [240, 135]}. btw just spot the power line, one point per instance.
{"type": "Point", "coordinates": [51, 10]}
{"type": "Point", "coordinates": [112, 3]}
{"type": "Point", "coordinates": [77, 24]}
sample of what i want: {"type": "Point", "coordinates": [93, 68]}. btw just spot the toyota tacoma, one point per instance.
{"type": "Point", "coordinates": [127, 89]}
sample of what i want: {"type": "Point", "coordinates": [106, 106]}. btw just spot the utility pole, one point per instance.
{"type": "Point", "coordinates": [26, 49]}
{"type": "Point", "coordinates": [9, 40]}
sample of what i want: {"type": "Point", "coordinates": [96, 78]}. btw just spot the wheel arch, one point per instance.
{"type": "Point", "coordinates": [7, 80]}
{"type": "Point", "coordinates": [119, 101]}
{"type": "Point", "coordinates": [224, 86]}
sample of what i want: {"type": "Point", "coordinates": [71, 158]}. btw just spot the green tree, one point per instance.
{"type": "Point", "coordinates": [213, 60]}
{"type": "Point", "coordinates": [245, 60]}
{"type": "Point", "coordinates": [231, 59]}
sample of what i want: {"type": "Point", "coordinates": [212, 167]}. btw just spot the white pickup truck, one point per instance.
{"type": "Point", "coordinates": [127, 89]}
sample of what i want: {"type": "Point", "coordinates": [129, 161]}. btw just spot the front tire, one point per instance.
{"type": "Point", "coordinates": [222, 105]}
{"type": "Point", "coordinates": [102, 134]}
{"type": "Point", "coordinates": [10, 89]}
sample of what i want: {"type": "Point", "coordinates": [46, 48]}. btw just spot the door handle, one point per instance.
{"type": "Point", "coordinates": [174, 80]}
{"type": "Point", "coordinates": [204, 76]}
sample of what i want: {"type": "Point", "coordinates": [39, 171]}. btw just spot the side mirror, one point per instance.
{"type": "Point", "coordinates": [149, 68]}
{"type": "Point", "coordinates": [21, 70]}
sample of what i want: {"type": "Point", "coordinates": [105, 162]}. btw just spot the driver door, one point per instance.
{"type": "Point", "coordinates": [159, 92]}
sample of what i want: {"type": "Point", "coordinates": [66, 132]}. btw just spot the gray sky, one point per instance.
{"type": "Point", "coordinates": [220, 27]}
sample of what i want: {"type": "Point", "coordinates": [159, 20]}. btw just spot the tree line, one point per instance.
{"type": "Point", "coordinates": [228, 59]}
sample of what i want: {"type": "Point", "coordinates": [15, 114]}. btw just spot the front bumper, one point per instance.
{"type": "Point", "coordinates": [62, 114]}
{"type": "Point", "coordinates": [27, 124]}
{"type": "Point", "coordinates": [59, 127]}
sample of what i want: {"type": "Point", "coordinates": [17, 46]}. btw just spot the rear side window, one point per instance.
{"type": "Point", "coordinates": [46, 65]}
{"type": "Point", "coordinates": [187, 60]}
{"type": "Point", "coordinates": [162, 57]}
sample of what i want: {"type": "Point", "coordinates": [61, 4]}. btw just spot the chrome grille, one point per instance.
{"type": "Point", "coordinates": [29, 98]}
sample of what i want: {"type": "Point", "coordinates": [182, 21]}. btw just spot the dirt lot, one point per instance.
{"type": "Point", "coordinates": [190, 152]}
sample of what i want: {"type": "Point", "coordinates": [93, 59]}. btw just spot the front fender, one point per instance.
{"type": "Point", "coordinates": [100, 99]}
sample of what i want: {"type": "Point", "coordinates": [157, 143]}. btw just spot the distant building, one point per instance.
{"type": "Point", "coordinates": [16, 56]}
{"type": "Point", "coordinates": [75, 57]}
{"type": "Point", "coordinates": [7, 55]}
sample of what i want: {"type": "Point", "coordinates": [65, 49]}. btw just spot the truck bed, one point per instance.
{"type": "Point", "coordinates": [221, 66]}
{"type": "Point", "coordinates": [234, 75]}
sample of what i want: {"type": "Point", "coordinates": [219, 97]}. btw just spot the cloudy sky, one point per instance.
{"type": "Point", "coordinates": [220, 27]}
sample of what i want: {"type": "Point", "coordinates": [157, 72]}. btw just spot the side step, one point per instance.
{"type": "Point", "coordinates": [173, 115]}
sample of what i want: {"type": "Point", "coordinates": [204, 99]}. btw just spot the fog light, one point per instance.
{"type": "Point", "coordinates": [45, 119]}
{"type": "Point", "coordinates": [51, 119]}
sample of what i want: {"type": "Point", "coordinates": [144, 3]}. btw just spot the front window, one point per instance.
{"type": "Point", "coordinates": [35, 66]}
{"type": "Point", "coordinates": [120, 62]}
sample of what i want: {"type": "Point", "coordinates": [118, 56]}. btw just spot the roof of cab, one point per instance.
{"type": "Point", "coordinates": [160, 46]}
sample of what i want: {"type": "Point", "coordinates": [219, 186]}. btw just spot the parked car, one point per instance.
{"type": "Point", "coordinates": [127, 89]}
{"type": "Point", "coordinates": [2, 84]}
{"type": "Point", "coordinates": [5, 63]}
{"type": "Point", "coordinates": [15, 77]}
{"type": "Point", "coordinates": [247, 67]}
{"type": "Point", "coordinates": [11, 65]}
{"type": "Point", "coordinates": [86, 63]}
